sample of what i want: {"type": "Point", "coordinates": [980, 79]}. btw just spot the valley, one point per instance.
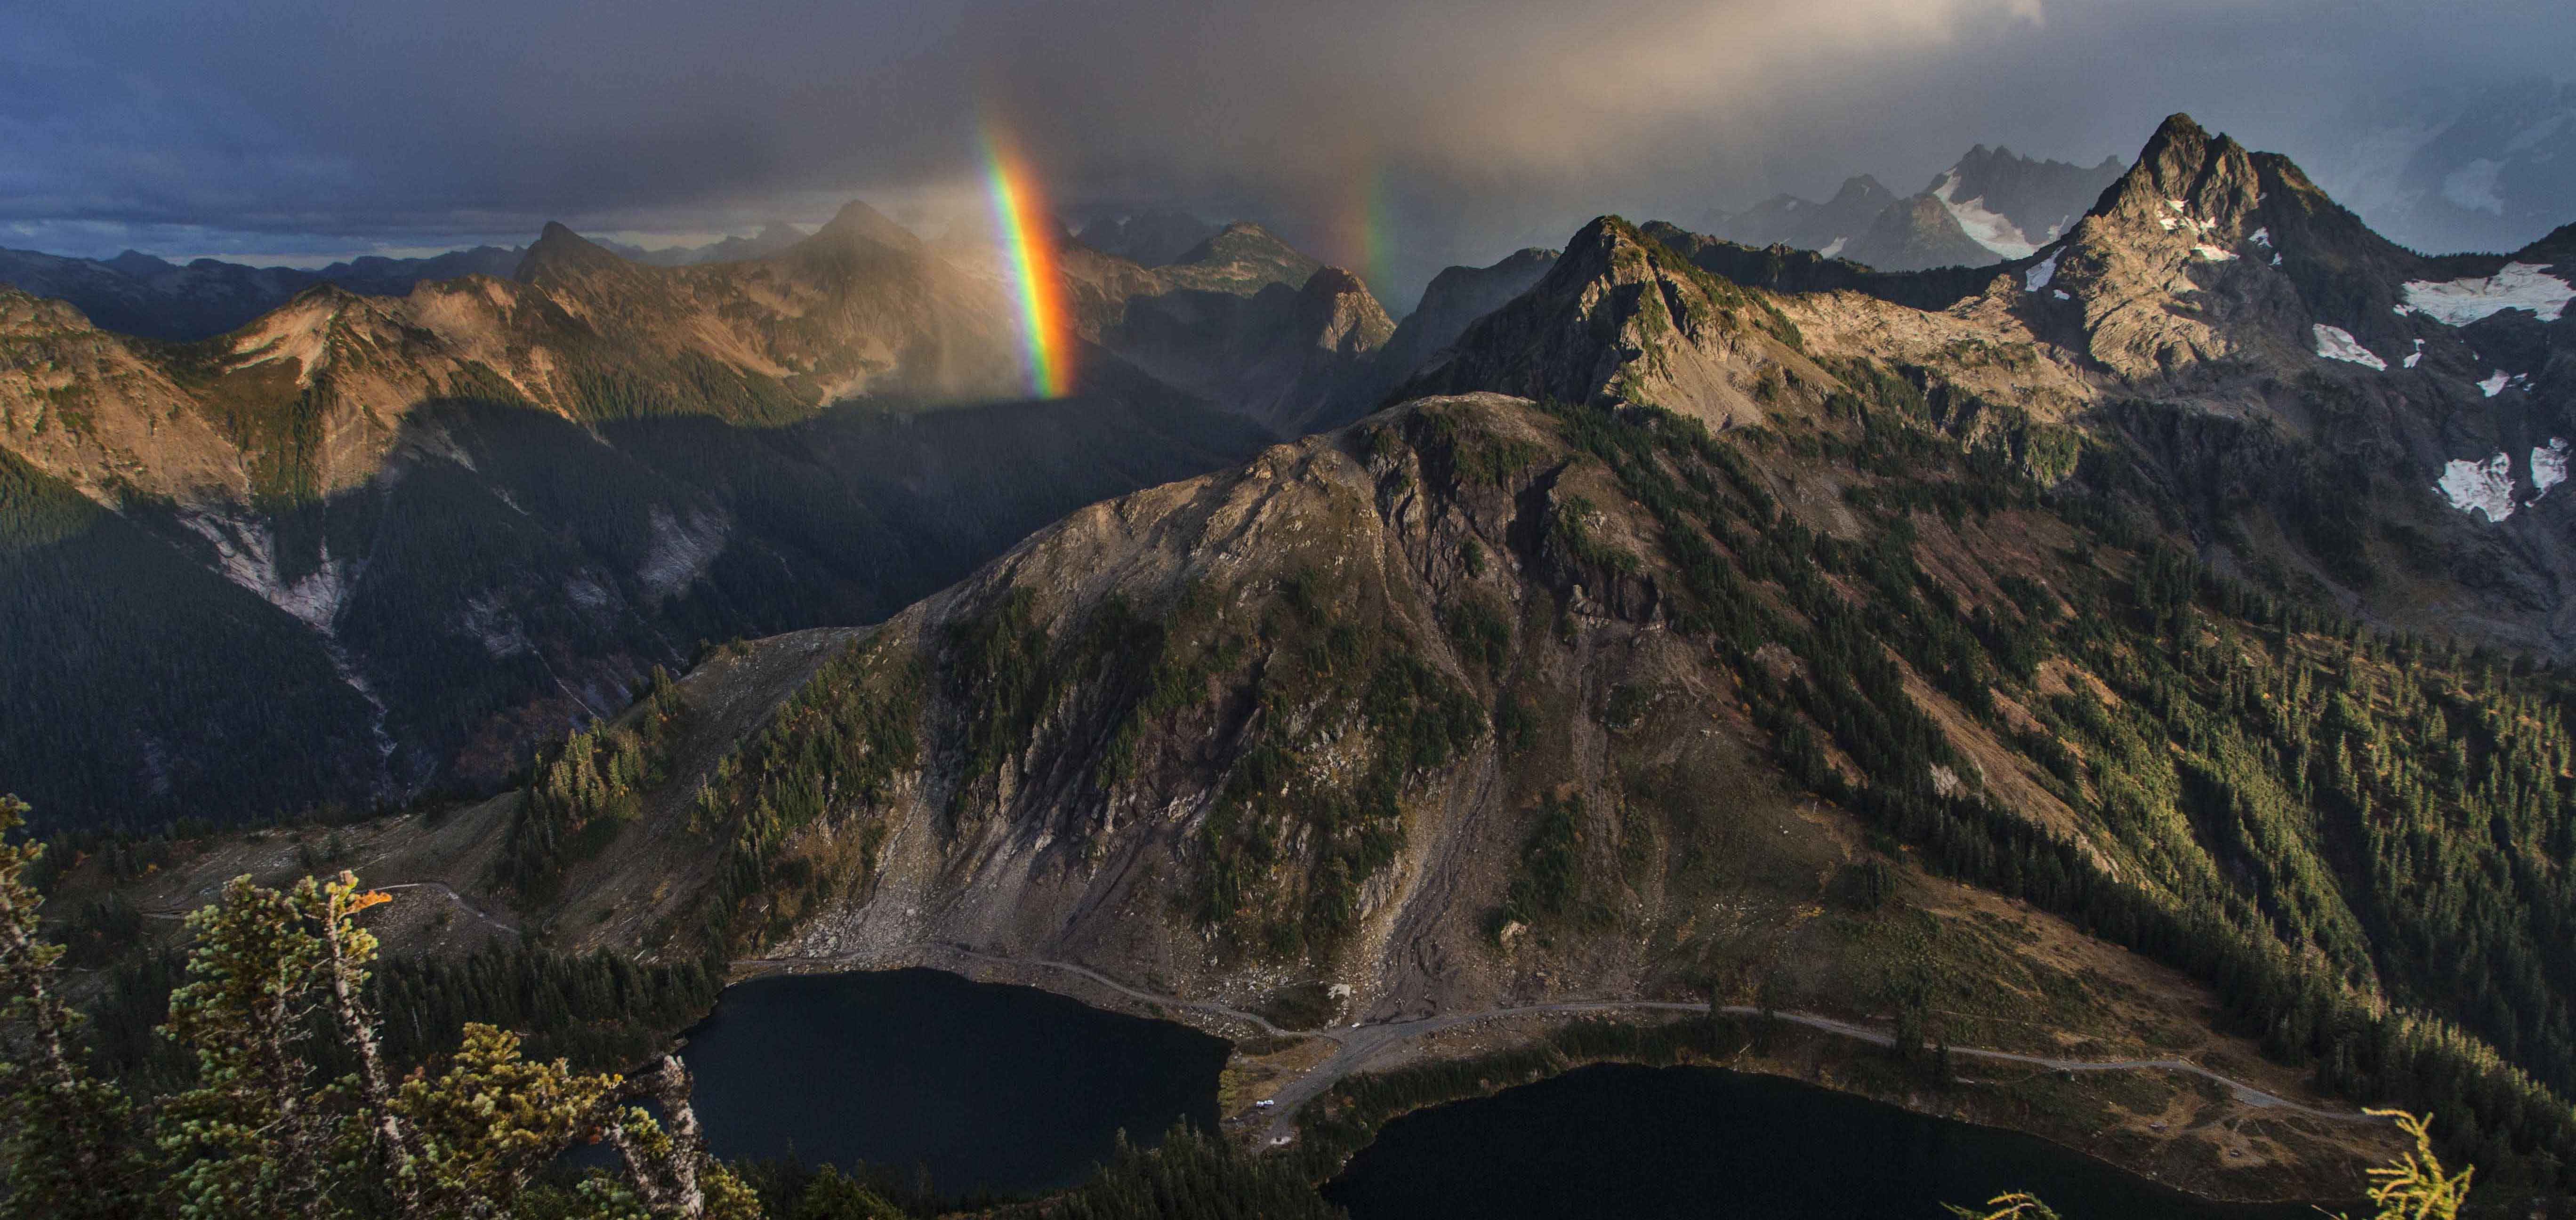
{"type": "Point", "coordinates": [2114, 694]}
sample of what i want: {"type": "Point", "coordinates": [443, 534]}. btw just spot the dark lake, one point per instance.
{"type": "Point", "coordinates": [989, 1087]}
{"type": "Point", "coordinates": [1639, 1143]}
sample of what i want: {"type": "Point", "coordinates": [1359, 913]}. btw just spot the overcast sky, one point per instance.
{"type": "Point", "coordinates": [323, 126]}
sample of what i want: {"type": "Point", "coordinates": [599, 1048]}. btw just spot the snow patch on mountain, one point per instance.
{"type": "Point", "coordinates": [2495, 385]}
{"type": "Point", "coordinates": [2518, 286]}
{"type": "Point", "coordinates": [2212, 254]}
{"type": "Point", "coordinates": [1834, 247]}
{"type": "Point", "coordinates": [2039, 277]}
{"type": "Point", "coordinates": [2474, 486]}
{"type": "Point", "coordinates": [2548, 466]}
{"type": "Point", "coordinates": [1990, 229]}
{"type": "Point", "coordinates": [2336, 343]}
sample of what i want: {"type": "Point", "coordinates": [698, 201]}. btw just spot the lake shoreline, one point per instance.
{"type": "Point", "coordinates": [1807, 1057]}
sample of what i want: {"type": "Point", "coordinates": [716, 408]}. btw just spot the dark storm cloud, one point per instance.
{"type": "Point", "coordinates": [296, 124]}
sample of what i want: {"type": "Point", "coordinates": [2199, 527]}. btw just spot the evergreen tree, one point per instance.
{"type": "Point", "coordinates": [488, 1124]}
{"type": "Point", "coordinates": [68, 1153]}
{"type": "Point", "coordinates": [277, 993]}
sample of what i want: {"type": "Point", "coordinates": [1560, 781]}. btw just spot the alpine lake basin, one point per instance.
{"type": "Point", "coordinates": [998, 1089]}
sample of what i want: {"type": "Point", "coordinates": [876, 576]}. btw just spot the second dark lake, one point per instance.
{"type": "Point", "coordinates": [1640, 1143]}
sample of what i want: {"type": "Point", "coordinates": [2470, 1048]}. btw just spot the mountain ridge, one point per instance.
{"type": "Point", "coordinates": [333, 457]}
{"type": "Point", "coordinates": [1948, 223]}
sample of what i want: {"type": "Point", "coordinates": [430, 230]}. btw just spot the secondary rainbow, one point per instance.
{"type": "Point", "coordinates": [1029, 254]}
{"type": "Point", "coordinates": [1361, 235]}
{"type": "Point", "coordinates": [1374, 222]}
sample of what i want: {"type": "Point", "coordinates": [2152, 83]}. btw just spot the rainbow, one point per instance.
{"type": "Point", "coordinates": [1028, 247]}
{"type": "Point", "coordinates": [1363, 231]}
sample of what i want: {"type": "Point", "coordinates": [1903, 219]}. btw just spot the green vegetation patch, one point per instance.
{"type": "Point", "coordinates": [834, 753]}
{"type": "Point", "coordinates": [587, 790]}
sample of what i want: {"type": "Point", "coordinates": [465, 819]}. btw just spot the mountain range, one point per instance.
{"type": "Point", "coordinates": [392, 542]}
{"type": "Point", "coordinates": [1992, 205]}
{"type": "Point", "coordinates": [138, 294]}
{"type": "Point", "coordinates": [2146, 644]}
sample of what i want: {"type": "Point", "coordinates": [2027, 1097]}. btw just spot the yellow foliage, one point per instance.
{"type": "Point", "coordinates": [2415, 1186]}
{"type": "Point", "coordinates": [2015, 1206]}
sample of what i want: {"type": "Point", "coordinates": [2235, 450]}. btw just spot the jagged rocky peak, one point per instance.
{"type": "Point", "coordinates": [1621, 317]}
{"type": "Point", "coordinates": [1352, 320]}
{"type": "Point", "coordinates": [1861, 190]}
{"type": "Point", "coordinates": [2206, 199]}
{"type": "Point", "coordinates": [2207, 259]}
{"type": "Point", "coordinates": [2185, 169]}
{"type": "Point", "coordinates": [560, 255]}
